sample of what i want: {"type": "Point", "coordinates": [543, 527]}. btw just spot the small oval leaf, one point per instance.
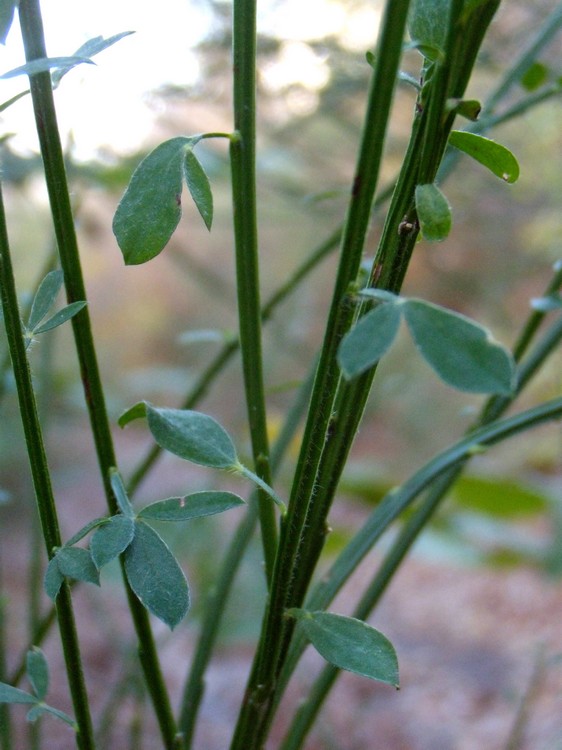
{"type": "Point", "coordinates": [155, 576]}
{"type": "Point", "coordinates": [120, 493]}
{"type": "Point", "coordinates": [193, 436]}
{"type": "Point", "coordinates": [37, 672]}
{"type": "Point", "coordinates": [197, 505]}
{"type": "Point", "coordinates": [60, 317]}
{"type": "Point", "coordinates": [9, 694]}
{"type": "Point", "coordinates": [350, 644]}
{"type": "Point", "coordinates": [44, 298]}
{"type": "Point", "coordinates": [427, 23]}
{"type": "Point", "coordinates": [434, 213]}
{"type": "Point", "coordinates": [150, 209]}
{"type": "Point", "coordinates": [53, 579]}
{"type": "Point", "coordinates": [111, 539]}
{"type": "Point", "coordinates": [44, 64]}
{"type": "Point", "coordinates": [497, 158]}
{"type": "Point", "coordinates": [460, 351]}
{"type": "Point", "coordinates": [199, 187]}
{"type": "Point", "coordinates": [76, 563]}
{"type": "Point", "coordinates": [369, 339]}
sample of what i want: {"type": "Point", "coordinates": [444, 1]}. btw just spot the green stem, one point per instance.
{"type": "Point", "coordinates": [217, 600]}
{"type": "Point", "coordinates": [42, 486]}
{"type": "Point", "coordinates": [55, 176]}
{"type": "Point", "coordinates": [256, 714]}
{"type": "Point", "coordinates": [243, 167]}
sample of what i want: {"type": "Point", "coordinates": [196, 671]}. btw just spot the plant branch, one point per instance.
{"type": "Point", "coordinates": [42, 486]}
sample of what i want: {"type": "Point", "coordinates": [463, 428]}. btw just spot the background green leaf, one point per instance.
{"type": "Point", "coordinates": [497, 158]}
{"type": "Point", "coordinates": [196, 505]}
{"type": "Point", "coordinates": [37, 672]}
{"type": "Point", "coordinates": [111, 539]}
{"type": "Point", "coordinates": [499, 497]}
{"type": "Point", "coordinates": [350, 644]}
{"type": "Point", "coordinates": [434, 213]}
{"type": "Point", "coordinates": [460, 351]}
{"type": "Point", "coordinates": [155, 576]}
{"type": "Point", "coordinates": [199, 187]}
{"type": "Point", "coordinates": [150, 209]}
{"type": "Point", "coordinates": [369, 339]}
{"type": "Point", "coordinates": [193, 436]}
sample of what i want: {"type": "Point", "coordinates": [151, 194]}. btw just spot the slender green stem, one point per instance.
{"type": "Point", "coordinates": [243, 167]}
{"type": "Point", "coordinates": [256, 711]}
{"type": "Point", "coordinates": [437, 492]}
{"type": "Point", "coordinates": [528, 56]}
{"type": "Point", "coordinates": [42, 486]}
{"type": "Point", "coordinates": [61, 210]}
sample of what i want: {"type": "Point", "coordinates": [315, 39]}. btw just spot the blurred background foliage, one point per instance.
{"type": "Point", "coordinates": [158, 325]}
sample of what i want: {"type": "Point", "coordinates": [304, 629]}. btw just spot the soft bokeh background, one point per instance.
{"type": "Point", "coordinates": [474, 574]}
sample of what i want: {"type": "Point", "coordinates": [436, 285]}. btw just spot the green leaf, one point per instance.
{"type": "Point", "coordinates": [44, 298]}
{"type": "Point", "coordinates": [9, 694]}
{"type": "Point", "coordinates": [44, 64]}
{"type": "Point", "coordinates": [497, 158]}
{"type": "Point", "coordinates": [89, 49]}
{"type": "Point", "coordinates": [468, 108]}
{"type": "Point", "coordinates": [460, 351]}
{"type": "Point", "coordinates": [535, 76]}
{"type": "Point", "coordinates": [369, 339]}
{"type": "Point", "coordinates": [192, 506]}
{"type": "Point", "coordinates": [138, 411]}
{"type": "Point", "coordinates": [155, 576]}
{"type": "Point", "coordinates": [61, 317]}
{"type": "Point", "coordinates": [42, 708]}
{"type": "Point", "coordinates": [76, 563]}
{"type": "Point", "coordinates": [53, 579]}
{"type": "Point", "coordinates": [434, 213]}
{"type": "Point", "coordinates": [193, 436]}
{"type": "Point", "coordinates": [7, 8]}
{"type": "Point", "coordinates": [85, 530]}
{"type": "Point", "coordinates": [37, 672]}
{"type": "Point", "coordinates": [427, 24]}
{"type": "Point", "coordinates": [150, 209]}
{"type": "Point", "coordinates": [121, 494]}
{"type": "Point", "coordinates": [499, 497]}
{"type": "Point", "coordinates": [111, 539]}
{"type": "Point", "coordinates": [350, 644]}
{"type": "Point", "coordinates": [199, 187]}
